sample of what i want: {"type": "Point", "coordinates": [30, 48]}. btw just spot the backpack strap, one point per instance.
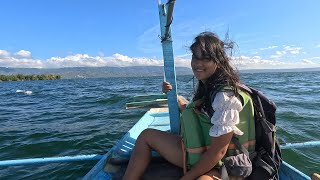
{"type": "Point", "coordinates": [245, 88]}
{"type": "Point", "coordinates": [224, 173]}
{"type": "Point", "coordinates": [239, 146]}
{"type": "Point", "coordinates": [235, 141]}
{"type": "Point", "coordinates": [264, 165]}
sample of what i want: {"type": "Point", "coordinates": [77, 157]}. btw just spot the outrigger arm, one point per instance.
{"type": "Point", "coordinates": [95, 157]}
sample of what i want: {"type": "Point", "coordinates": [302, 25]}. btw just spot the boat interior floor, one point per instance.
{"type": "Point", "coordinates": [159, 168]}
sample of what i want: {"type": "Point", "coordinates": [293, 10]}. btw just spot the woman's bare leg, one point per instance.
{"type": "Point", "coordinates": [211, 175]}
{"type": "Point", "coordinates": [167, 145]}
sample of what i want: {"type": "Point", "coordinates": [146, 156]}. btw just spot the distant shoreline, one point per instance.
{"type": "Point", "coordinates": [133, 71]}
{"type": "Point", "coordinates": [24, 77]}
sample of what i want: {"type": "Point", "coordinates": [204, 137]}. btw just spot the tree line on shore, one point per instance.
{"type": "Point", "coordinates": [21, 77]}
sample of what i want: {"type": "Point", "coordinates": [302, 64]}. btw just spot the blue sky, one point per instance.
{"type": "Point", "coordinates": [67, 33]}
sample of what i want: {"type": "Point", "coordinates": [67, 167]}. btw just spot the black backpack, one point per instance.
{"type": "Point", "coordinates": [266, 159]}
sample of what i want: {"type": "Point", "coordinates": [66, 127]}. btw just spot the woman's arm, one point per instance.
{"type": "Point", "coordinates": [218, 148]}
{"type": "Point", "coordinates": [182, 102]}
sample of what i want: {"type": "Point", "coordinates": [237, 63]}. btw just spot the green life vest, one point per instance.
{"type": "Point", "coordinates": [195, 126]}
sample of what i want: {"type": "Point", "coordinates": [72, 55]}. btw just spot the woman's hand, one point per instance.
{"type": "Point", "coordinates": [166, 87]}
{"type": "Point", "coordinates": [182, 102]}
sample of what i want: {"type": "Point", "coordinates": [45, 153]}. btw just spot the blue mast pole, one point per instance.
{"type": "Point", "coordinates": [165, 15]}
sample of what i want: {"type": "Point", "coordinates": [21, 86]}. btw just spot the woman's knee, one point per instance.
{"type": "Point", "coordinates": [146, 134]}
{"type": "Point", "coordinates": [204, 177]}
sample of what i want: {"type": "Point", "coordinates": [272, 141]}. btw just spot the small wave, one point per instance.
{"type": "Point", "coordinates": [24, 91]}
{"type": "Point", "coordinates": [28, 92]}
{"type": "Point", "coordinates": [114, 99]}
{"type": "Point", "coordinates": [19, 90]}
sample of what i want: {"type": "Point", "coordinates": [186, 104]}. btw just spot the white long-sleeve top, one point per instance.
{"type": "Point", "coordinates": [226, 108]}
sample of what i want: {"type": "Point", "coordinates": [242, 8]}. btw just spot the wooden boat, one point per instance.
{"type": "Point", "coordinates": [113, 164]}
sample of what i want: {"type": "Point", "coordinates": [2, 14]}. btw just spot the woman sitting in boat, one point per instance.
{"type": "Point", "coordinates": [230, 113]}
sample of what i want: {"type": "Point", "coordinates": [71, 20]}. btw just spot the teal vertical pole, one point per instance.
{"type": "Point", "coordinates": [169, 69]}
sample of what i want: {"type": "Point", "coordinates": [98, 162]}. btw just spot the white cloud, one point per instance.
{"type": "Point", "coordinates": [123, 58]}
{"type": "Point", "coordinates": [20, 63]}
{"type": "Point", "coordinates": [23, 59]}
{"type": "Point", "coordinates": [306, 61]}
{"type": "Point", "coordinates": [77, 60]}
{"type": "Point", "coordinates": [182, 62]}
{"type": "Point", "coordinates": [267, 48]}
{"type": "Point", "coordinates": [292, 50]}
{"type": "Point", "coordinates": [318, 46]}
{"type": "Point", "coordinates": [257, 62]}
{"type": "Point", "coordinates": [118, 60]}
{"type": "Point", "coordinates": [19, 59]}
{"type": "Point", "coordinates": [188, 55]}
{"type": "Point", "coordinates": [278, 54]}
{"type": "Point", "coordinates": [4, 53]}
{"type": "Point", "coordinates": [286, 51]}
{"type": "Point", "coordinates": [23, 53]}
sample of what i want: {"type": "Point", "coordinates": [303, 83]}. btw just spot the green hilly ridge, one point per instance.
{"type": "Point", "coordinates": [96, 72]}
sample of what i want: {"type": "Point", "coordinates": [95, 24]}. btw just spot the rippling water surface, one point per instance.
{"type": "Point", "coordinates": [87, 116]}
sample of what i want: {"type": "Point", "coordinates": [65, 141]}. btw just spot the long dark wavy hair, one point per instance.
{"type": "Point", "coordinates": [211, 47]}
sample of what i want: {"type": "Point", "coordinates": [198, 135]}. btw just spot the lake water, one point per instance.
{"type": "Point", "coordinates": [87, 116]}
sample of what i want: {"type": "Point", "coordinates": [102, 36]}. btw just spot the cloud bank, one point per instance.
{"type": "Point", "coordinates": [24, 59]}
{"type": "Point", "coordinates": [257, 62]}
